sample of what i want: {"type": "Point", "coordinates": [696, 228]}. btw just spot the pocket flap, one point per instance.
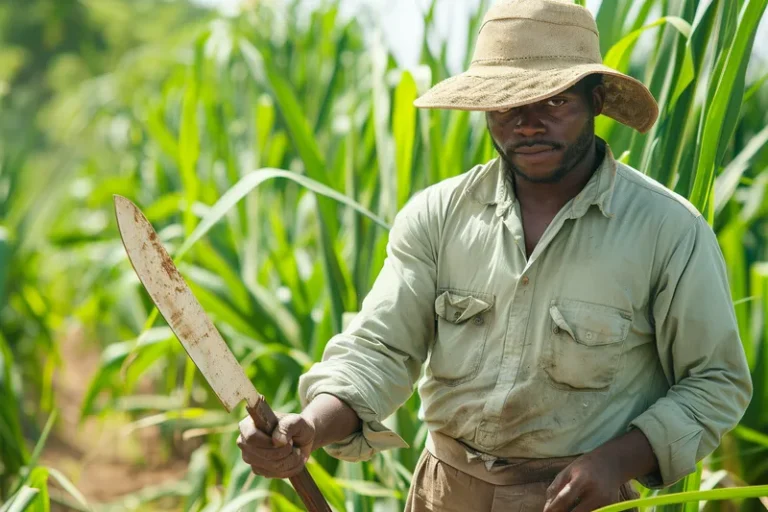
{"type": "Point", "coordinates": [457, 308]}
{"type": "Point", "coordinates": [591, 324]}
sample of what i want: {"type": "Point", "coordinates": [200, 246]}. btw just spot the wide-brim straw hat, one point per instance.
{"type": "Point", "coordinates": [530, 50]}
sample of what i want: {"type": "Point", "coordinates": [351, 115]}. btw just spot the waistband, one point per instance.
{"type": "Point", "coordinates": [496, 471]}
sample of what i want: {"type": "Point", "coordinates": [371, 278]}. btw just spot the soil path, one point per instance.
{"type": "Point", "coordinates": [97, 456]}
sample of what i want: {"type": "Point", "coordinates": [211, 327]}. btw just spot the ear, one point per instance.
{"type": "Point", "coordinates": [598, 99]}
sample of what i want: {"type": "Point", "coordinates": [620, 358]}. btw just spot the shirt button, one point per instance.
{"type": "Point", "coordinates": [456, 315]}
{"type": "Point", "coordinates": [556, 330]}
{"type": "Point", "coordinates": [525, 281]}
{"type": "Point", "coordinates": [588, 335]}
{"type": "Point", "coordinates": [478, 320]}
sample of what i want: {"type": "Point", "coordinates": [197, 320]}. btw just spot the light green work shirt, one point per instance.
{"type": "Point", "coordinates": [620, 318]}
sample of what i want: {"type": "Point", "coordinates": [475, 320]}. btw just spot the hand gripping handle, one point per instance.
{"type": "Point", "coordinates": [266, 421]}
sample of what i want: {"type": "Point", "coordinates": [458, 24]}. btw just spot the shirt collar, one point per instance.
{"type": "Point", "coordinates": [492, 187]}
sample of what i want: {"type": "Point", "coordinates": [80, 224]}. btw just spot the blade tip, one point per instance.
{"type": "Point", "coordinates": [124, 205]}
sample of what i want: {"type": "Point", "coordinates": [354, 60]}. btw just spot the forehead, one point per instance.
{"type": "Point", "coordinates": [576, 91]}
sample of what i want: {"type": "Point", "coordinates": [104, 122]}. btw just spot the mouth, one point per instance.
{"type": "Point", "coordinates": [536, 155]}
{"type": "Point", "coordinates": [534, 150]}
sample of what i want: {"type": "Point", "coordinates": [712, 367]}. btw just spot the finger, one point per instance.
{"type": "Point", "coordinates": [252, 436]}
{"type": "Point", "coordinates": [293, 458]}
{"type": "Point", "coordinates": [562, 478]}
{"type": "Point", "coordinates": [267, 473]}
{"type": "Point", "coordinates": [277, 475]}
{"type": "Point", "coordinates": [564, 501]}
{"type": "Point", "coordinates": [291, 430]}
{"type": "Point", "coordinates": [268, 454]}
{"type": "Point", "coordinates": [306, 451]}
{"type": "Point", "coordinates": [283, 468]}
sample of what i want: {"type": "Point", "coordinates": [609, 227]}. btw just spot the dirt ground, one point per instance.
{"type": "Point", "coordinates": [97, 456]}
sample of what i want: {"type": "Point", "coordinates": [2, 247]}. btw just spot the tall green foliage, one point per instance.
{"type": "Point", "coordinates": [272, 150]}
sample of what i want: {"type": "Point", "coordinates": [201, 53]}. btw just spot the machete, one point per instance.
{"type": "Point", "coordinates": [196, 332]}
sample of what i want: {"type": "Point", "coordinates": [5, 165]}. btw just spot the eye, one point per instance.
{"type": "Point", "coordinates": [556, 102]}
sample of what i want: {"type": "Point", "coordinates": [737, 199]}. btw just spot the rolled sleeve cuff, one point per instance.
{"type": "Point", "coordinates": [362, 445]}
{"type": "Point", "coordinates": [374, 438]}
{"type": "Point", "coordinates": [674, 439]}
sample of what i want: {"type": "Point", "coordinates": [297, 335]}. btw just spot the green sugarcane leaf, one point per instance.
{"type": "Point", "coordinates": [38, 479]}
{"type": "Point", "coordinates": [718, 110]}
{"type": "Point", "coordinates": [692, 483]}
{"type": "Point", "coordinates": [68, 486]}
{"type": "Point", "coordinates": [253, 180]}
{"type": "Point", "coordinates": [252, 496]}
{"type": "Point", "coordinates": [731, 493]}
{"type": "Point", "coordinates": [729, 179]}
{"type": "Point", "coordinates": [21, 500]}
{"type": "Point", "coordinates": [328, 486]}
{"type": "Point", "coordinates": [619, 54]}
{"type": "Point", "coordinates": [404, 131]}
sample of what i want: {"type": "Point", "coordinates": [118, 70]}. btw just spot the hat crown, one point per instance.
{"type": "Point", "coordinates": [536, 32]}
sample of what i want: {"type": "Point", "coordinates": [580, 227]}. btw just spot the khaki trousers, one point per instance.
{"type": "Point", "coordinates": [438, 486]}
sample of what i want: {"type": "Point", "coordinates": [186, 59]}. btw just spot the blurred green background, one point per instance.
{"type": "Point", "coordinates": [271, 146]}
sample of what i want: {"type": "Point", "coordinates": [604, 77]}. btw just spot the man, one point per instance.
{"type": "Point", "coordinates": [574, 315]}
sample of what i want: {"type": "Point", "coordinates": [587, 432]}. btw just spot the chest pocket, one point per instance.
{"type": "Point", "coordinates": [462, 330]}
{"type": "Point", "coordinates": [585, 344]}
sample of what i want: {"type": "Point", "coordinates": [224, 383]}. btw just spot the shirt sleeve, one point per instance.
{"type": "Point", "coordinates": [373, 365]}
{"type": "Point", "coordinates": [701, 355]}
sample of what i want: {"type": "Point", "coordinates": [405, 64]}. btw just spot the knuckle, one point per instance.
{"type": "Point", "coordinates": [268, 455]}
{"type": "Point", "coordinates": [289, 463]}
{"type": "Point", "coordinates": [276, 454]}
{"type": "Point", "coordinates": [246, 427]}
{"type": "Point", "coordinates": [291, 471]}
{"type": "Point", "coordinates": [257, 470]}
{"type": "Point", "coordinates": [266, 470]}
{"type": "Point", "coordinates": [584, 482]}
{"type": "Point", "coordinates": [551, 491]}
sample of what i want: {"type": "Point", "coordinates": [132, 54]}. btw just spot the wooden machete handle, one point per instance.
{"type": "Point", "coordinates": [265, 420]}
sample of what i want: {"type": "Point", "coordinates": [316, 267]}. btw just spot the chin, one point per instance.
{"type": "Point", "coordinates": [542, 174]}
{"type": "Point", "coordinates": [541, 178]}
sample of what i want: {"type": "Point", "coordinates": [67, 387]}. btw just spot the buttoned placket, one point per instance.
{"type": "Point", "coordinates": [517, 323]}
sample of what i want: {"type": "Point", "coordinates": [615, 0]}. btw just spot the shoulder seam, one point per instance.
{"type": "Point", "coordinates": [658, 192]}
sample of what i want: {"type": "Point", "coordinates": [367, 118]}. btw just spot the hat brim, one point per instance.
{"type": "Point", "coordinates": [491, 88]}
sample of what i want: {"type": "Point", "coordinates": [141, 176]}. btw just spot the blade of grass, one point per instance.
{"type": "Point", "coordinates": [27, 472]}
{"type": "Point", "coordinates": [732, 493]}
{"type": "Point", "coordinates": [20, 500]}
{"type": "Point", "coordinates": [693, 483]}
{"type": "Point", "coordinates": [728, 180]}
{"type": "Point", "coordinates": [253, 180]}
{"type": "Point", "coordinates": [246, 498]}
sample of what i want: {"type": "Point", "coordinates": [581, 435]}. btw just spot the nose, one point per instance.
{"type": "Point", "coordinates": [527, 123]}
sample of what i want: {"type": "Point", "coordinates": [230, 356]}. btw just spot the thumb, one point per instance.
{"type": "Point", "coordinates": [293, 430]}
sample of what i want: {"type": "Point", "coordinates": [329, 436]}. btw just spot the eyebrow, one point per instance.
{"type": "Point", "coordinates": [564, 93]}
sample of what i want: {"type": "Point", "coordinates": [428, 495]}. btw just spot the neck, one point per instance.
{"type": "Point", "coordinates": [551, 197]}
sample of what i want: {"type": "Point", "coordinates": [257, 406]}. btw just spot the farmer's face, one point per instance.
{"type": "Point", "coordinates": [542, 142]}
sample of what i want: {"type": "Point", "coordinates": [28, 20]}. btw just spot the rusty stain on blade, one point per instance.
{"type": "Point", "coordinates": [181, 309]}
